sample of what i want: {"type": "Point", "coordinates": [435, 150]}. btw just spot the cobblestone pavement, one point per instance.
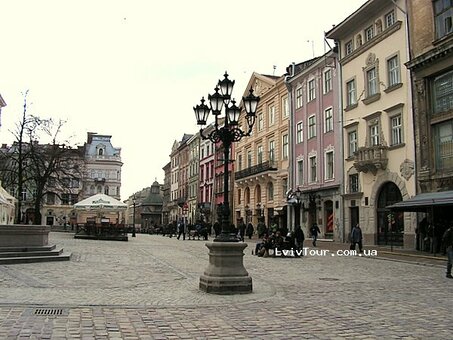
{"type": "Point", "coordinates": [147, 288]}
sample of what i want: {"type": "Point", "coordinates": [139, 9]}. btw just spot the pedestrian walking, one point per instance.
{"type": "Point", "coordinates": [242, 228]}
{"type": "Point", "coordinates": [356, 238]}
{"type": "Point", "coordinates": [249, 231]}
{"type": "Point", "coordinates": [181, 230]}
{"type": "Point", "coordinates": [314, 232]}
{"type": "Point", "coordinates": [447, 242]}
{"type": "Point", "coordinates": [299, 237]}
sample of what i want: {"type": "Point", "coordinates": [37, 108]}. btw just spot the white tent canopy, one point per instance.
{"type": "Point", "coordinates": [100, 202]}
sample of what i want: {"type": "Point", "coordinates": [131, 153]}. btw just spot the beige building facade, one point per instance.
{"type": "Point", "coordinates": [261, 160]}
{"type": "Point", "coordinates": [377, 121]}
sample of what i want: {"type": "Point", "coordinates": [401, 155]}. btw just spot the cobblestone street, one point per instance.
{"type": "Point", "coordinates": [147, 288]}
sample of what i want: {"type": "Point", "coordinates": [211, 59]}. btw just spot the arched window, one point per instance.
{"type": "Point", "coordinates": [247, 195]}
{"type": "Point", "coordinates": [101, 152]}
{"type": "Point", "coordinates": [270, 191]}
{"type": "Point", "coordinates": [92, 190]}
{"type": "Point", "coordinates": [99, 189]}
{"type": "Point", "coordinates": [258, 193]}
{"type": "Point", "coordinates": [106, 190]}
{"type": "Point", "coordinates": [239, 196]}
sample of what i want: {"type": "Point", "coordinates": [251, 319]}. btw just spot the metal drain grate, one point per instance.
{"type": "Point", "coordinates": [329, 279]}
{"type": "Point", "coordinates": [48, 311]}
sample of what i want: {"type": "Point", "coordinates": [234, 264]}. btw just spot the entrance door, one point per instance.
{"type": "Point", "coordinates": [390, 226]}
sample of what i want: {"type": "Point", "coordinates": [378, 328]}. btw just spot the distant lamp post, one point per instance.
{"type": "Point", "coordinates": [220, 275]}
{"type": "Point", "coordinates": [134, 201]}
{"type": "Point", "coordinates": [296, 197]}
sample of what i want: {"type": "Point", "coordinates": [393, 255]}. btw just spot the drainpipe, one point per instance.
{"type": "Point", "coordinates": [291, 182]}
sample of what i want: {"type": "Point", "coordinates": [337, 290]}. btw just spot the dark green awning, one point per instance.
{"type": "Point", "coordinates": [423, 202]}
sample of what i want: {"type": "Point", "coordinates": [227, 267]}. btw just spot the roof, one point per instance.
{"type": "Point", "coordinates": [425, 201]}
{"type": "Point", "coordinates": [100, 201]}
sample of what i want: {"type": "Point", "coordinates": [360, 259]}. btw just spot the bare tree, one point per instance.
{"type": "Point", "coordinates": [31, 165]}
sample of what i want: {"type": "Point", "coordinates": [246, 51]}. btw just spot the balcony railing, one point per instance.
{"type": "Point", "coordinates": [256, 169]}
{"type": "Point", "coordinates": [104, 157]}
{"type": "Point", "coordinates": [371, 158]}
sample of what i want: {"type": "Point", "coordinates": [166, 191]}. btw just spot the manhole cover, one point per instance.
{"type": "Point", "coordinates": [329, 279]}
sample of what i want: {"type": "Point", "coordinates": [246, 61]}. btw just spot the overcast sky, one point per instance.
{"type": "Point", "coordinates": [134, 69]}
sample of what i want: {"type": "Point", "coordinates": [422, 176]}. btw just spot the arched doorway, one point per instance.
{"type": "Point", "coordinates": [390, 226]}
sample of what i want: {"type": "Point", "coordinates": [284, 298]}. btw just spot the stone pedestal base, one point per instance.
{"type": "Point", "coordinates": [19, 235]}
{"type": "Point", "coordinates": [226, 273]}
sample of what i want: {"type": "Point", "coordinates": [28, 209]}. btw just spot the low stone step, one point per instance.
{"type": "Point", "coordinates": [31, 253]}
{"type": "Point", "coordinates": [31, 259]}
{"type": "Point", "coordinates": [27, 249]}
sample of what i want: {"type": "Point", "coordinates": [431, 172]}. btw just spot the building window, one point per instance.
{"type": "Point", "coordinates": [444, 145]}
{"type": "Point", "coordinates": [106, 190]}
{"type": "Point", "coordinates": [352, 142]}
{"type": "Point", "coordinates": [285, 146]}
{"type": "Point", "coordinates": [327, 81]}
{"type": "Point", "coordinates": [50, 198]}
{"type": "Point", "coordinates": [299, 97]}
{"type": "Point", "coordinates": [443, 13]}
{"type": "Point", "coordinates": [393, 68]}
{"type": "Point", "coordinates": [354, 183]}
{"type": "Point", "coordinates": [389, 19]}
{"type": "Point", "coordinates": [300, 132]}
{"type": "Point", "coordinates": [348, 47]}
{"type": "Point", "coordinates": [397, 130]}
{"type": "Point", "coordinates": [239, 196]}
{"type": "Point", "coordinates": [249, 159]}
{"type": "Point", "coordinates": [260, 121]}
{"type": "Point", "coordinates": [260, 154]}
{"type": "Point", "coordinates": [285, 106]}
{"type": "Point", "coordinates": [270, 191]}
{"type": "Point", "coordinates": [369, 33]}
{"type": "Point", "coordinates": [271, 150]}
{"type": "Point", "coordinates": [311, 126]}
{"type": "Point", "coordinates": [351, 93]}
{"type": "Point", "coordinates": [374, 134]}
{"type": "Point", "coordinates": [443, 93]}
{"type": "Point", "coordinates": [64, 199]}
{"type": "Point", "coordinates": [328, 120]}
{"type": "Point", "coordinates": [240, 162]}
{"type": "Point", "coordinates": [300, 172]}
{"type": "Point", "coordinates": [329, 165]}
{"type": "Point", "coordinates": [311, 90]}
{"type": "Point", "coordinates": [313, 166]}
{"type": "Point", "coordinates": [271, 115]}
{"type": "Point", "coordinates": [372, 86]}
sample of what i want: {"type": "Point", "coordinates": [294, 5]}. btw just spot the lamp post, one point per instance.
{"type": "Point", "coordinates": [297, 196]}
{"type": "Point", "coordinates": [133, 215]}
{"type": "Point", "coordinates": [226, 131]}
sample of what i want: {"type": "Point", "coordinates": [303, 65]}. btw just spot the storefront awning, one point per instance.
{"type": "Point", "coordinates": [423, 202]}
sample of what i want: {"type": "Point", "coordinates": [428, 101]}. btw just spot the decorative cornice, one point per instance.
{"type": "Point", "coordinates": [427, 58]}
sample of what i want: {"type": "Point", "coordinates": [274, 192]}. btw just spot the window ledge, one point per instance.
{"type": "Point", "coordinates": [397, 146]}
{"type": "Point", "coordinates": [371, 99]}
{"type": "Point", "coordinates": [351, 107]}
{"type": "Point", "coordinates": [349, 159]}
{"type": "Point", "coordinates": [393, 87]}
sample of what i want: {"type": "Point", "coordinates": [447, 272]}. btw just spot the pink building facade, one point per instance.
{"type": "Point", "coordinates": [316, 144]}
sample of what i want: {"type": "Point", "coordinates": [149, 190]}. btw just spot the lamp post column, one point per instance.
{"type": "Point", "coordinates": [133, 218]}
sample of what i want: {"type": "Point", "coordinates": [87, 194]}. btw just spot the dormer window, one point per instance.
{"type": "Point", "coordinates": [369, 33]}
{"type": "Point", "coordinates": [389, 19]}
{"type": "Point", "coordinates": [101, 152]}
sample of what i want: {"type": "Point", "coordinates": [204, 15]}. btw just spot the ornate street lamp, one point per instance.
{"type": "Point", "coordinates": [226, 132]}
{"type": "Point", "coordinates": [226, 273]}
{"type": "Point", "coordinates": [133, 215]}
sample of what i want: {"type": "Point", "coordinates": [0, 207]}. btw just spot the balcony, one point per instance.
{"type": "Point", "coordinates": [256, 169]}
{"type": "Point", "coordinates": [371, 158]}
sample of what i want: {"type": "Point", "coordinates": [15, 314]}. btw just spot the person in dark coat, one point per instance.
{"type": "Point", "coordinates": [356, 238]}
{"type": "Point", "coordinates": [314, 231]}
{"type": "Point", "coordinates": [217, 228]}
{"type": "Point", "coordinates": [299, 237]}
{"type": "Point", "coordinates": [242, 228]}
{"type": "Point", "coordinates": [447, 242]}
{"type": "Point", "coordinates": [249, 231]}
